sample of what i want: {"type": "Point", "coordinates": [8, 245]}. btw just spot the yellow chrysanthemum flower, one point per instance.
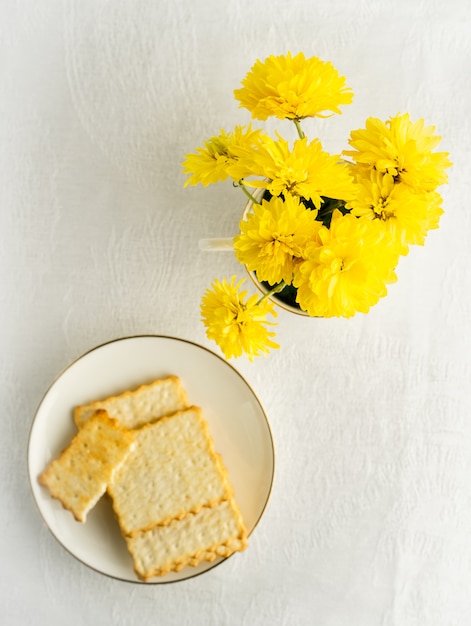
{"type": "Point", "coordinates": [403, 149]}
{"type": "Point", "coordinates": [348, 270]}
{"type": "Point", "coordinates": [210, 164]}
{"type": "Point", "coordinates": [293, 87]}
{"type": "Point", "coordinates": [306, 170]}
{"type": "Point", "coordinates": [273, 238]}
{"type": "Point", "coordinates": [237, 325]}
{"type": "Point", "coordinates": [407, 215]}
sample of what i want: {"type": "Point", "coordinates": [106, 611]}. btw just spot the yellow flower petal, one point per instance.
{"type": "Point", "coordinates": [403, 149]}
{"type": "Point", "coordinates": [346, 270]}
{"type": "Point", "coordinates": [306, 170]}
{"type": "Point", "coordinates": [293, 87]}
{"type": "Point", "coordinates": [237, 325]}
{"type": "Point", "coordinates": [407, 214]}
{"type": "Point", "coordinates": [273, 237]}
{"type": "Point", "coordinates": [212, 162]}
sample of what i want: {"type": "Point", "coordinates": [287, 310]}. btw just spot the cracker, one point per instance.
{"type": "Point", "coordinates": [133, 408]}
{"type": "Point", "coordinates": [79, 476]}
{"type": "Point", "coordinates": [202, 536]}
{"type": "Point", "coordinates": [173, 470]}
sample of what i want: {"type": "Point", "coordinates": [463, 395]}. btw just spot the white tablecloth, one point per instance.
{"type": "Point", "coordinates": [369, 521]}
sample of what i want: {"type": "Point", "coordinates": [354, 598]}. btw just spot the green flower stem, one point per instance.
{"type": "Point", "coordinates": [327, 209]}
{"type": "Point", "coordinates": [247, 192]}
{"type": "Point", "coordinates": [331, 208]}
{"type": "Point", "coordinates": [298, 128]}
{"type": "Point", "coordinates": [276, 289]}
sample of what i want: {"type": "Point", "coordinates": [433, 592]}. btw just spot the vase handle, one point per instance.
{"type": "Point", "coordinates": [221, 243]}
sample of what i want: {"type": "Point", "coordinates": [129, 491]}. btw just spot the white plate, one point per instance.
{"type": "Point", "coordinates": [236, 420]}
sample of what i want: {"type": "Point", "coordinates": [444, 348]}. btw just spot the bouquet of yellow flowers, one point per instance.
{"type": "Point", "coordinates": [324, 232]}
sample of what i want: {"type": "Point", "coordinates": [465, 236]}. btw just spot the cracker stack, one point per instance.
{"type": "Point", "coordinates": [173, 499]}
{"type": "Point", "coordinates": [156, 458]}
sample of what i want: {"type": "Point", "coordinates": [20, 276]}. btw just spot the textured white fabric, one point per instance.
{"type": "Point", "coordinates": [369, 523]}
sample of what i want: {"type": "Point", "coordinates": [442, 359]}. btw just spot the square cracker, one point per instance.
{"type": "Point", "coordinates": [133, 408]}
{"type": "Point", "coordinates": [79, 476]}
{"type": "Point", "coordinates": [172, 471]}
{"type": "Point", "coordinates": [202, 536]}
